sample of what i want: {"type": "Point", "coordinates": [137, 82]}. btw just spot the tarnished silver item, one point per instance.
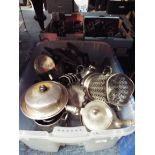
{"type": "Point", "coordinates": [43, 64]}
{"type": "Point", "coordinates": [119, 88]}
{"type": "Point", "coordinates": [48, 125]}
{"type": "Point", "coordinates": [97, 115]}
{"type": "Point", "coordinates": [44, 100]}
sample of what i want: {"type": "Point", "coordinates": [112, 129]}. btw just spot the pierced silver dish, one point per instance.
{"type": "Point", "coordinates": [119, 88]}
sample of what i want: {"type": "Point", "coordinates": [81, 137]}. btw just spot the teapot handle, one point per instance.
{"type": "Point", "coordinates": [64, 116]}
{"type": "Point", "coordinates": [107, 70]}
{"type": "Point", "coordinates": [50, 76]}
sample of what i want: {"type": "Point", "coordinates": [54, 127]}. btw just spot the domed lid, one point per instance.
{"type": "Point", "coordinates": [97, 115]}
{"type": "Point", "coordinates": [44, 100]}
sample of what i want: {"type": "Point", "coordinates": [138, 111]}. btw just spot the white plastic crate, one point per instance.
{"type": "Point", "coordinates": [92, 141]}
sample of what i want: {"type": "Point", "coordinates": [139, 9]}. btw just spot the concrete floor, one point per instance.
{"type": "Point", "coordinates": [30, 37]}
{"type": "Point", "coordinates": [28, 40]}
